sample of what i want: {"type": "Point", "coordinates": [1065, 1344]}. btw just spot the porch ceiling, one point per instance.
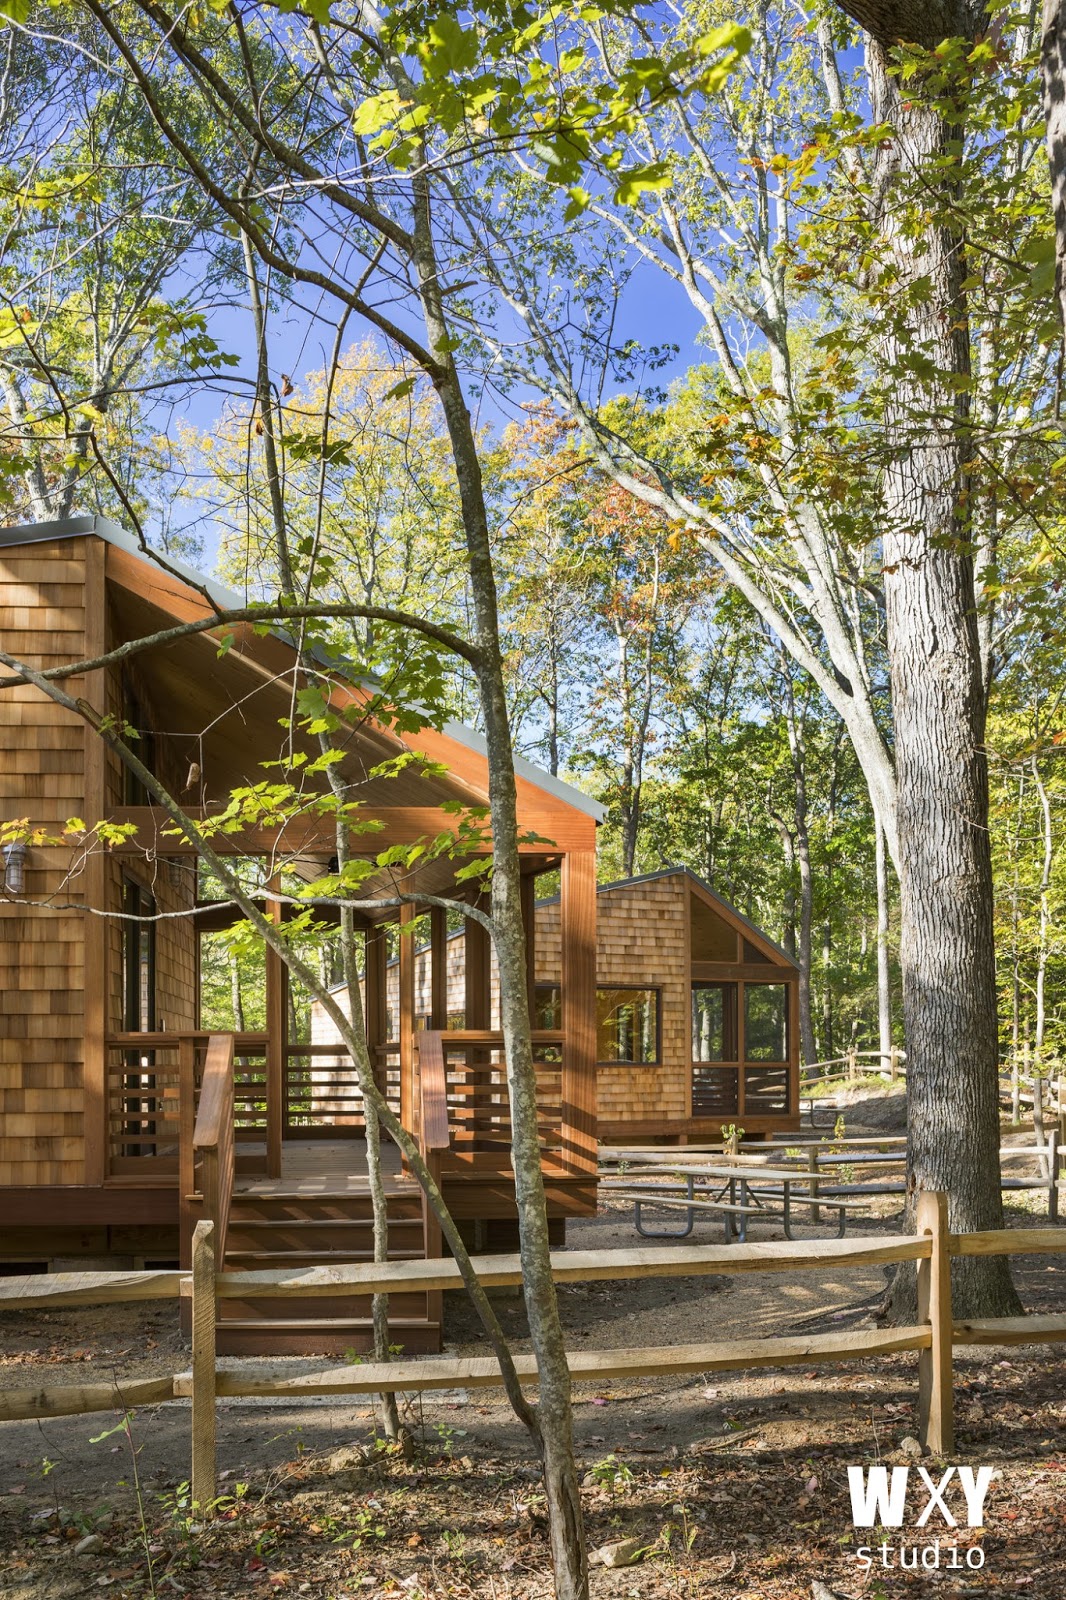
{"type": "Point", "coordinates": [223, 713]}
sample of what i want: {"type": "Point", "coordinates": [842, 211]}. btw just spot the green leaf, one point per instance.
{"type": "Point", "coordinates": [656, 175]}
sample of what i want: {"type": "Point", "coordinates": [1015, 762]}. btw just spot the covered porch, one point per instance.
{"type": "Point", "coordinates": [181, 1095]}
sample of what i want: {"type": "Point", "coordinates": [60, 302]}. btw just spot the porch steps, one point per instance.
{"type": "Point", "coordinates": [275, 1230]}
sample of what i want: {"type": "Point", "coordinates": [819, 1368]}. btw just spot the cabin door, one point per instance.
{"type": "Point", "coordinates": [715, 1065]}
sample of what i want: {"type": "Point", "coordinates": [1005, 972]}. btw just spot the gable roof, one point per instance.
{"type": "Point", "coordinates": [229, 599]}
{"type": "Point", "coordinates": [717, 901]}
{"type": "Point", "coordinates": [703, 889]}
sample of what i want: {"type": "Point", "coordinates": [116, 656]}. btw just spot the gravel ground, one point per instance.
{"type": "Point", "coordinates": [758, 1427]}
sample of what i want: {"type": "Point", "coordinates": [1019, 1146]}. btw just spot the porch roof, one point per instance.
{"type": "Point", "coordinates": [164, 566]}
{"type": "Point", "coordinates": [218, 716]}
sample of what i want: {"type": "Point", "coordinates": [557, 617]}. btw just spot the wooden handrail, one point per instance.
{"type": "Point", "coordinates": [459, 1036]}
{"type": "Point", "coordinates": [433, 1093]}
{"type": "Point", "coordinates": [212, 1140]}
{"type": "Point", "coordinates": [155, 1041]}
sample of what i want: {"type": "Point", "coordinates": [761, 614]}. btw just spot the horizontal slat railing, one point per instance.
{"type": "Point", "coordinates": [469, 1076]}
{"type": "Point", "coordinates": [321, 1094]}
{"type": "Point", "coordinates": [153, 1087]}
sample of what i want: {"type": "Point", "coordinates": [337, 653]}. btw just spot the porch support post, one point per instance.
{"type": "Point", "coordinates": [529, 923]}
{"type": "Point", "coordinates": [477, 973]}
{"type": "Point", "coordinates": [578, 927]}
{"type": "Point", "coordinates": [792, 991]}
{"type": "Point", "coordinates": [374, 1000]}
{"type": "Point", "coordinates": [438, 968]}
{"type": "Point", "coordinates": [408, 1098]}
{"type": "Point", "coordinates": [276, 976]}
{"type": "Point", "coordinates": [97, 871]}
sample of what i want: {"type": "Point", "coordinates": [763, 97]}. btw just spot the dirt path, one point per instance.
{"type": "Point", "coordinates": [736, 1485]}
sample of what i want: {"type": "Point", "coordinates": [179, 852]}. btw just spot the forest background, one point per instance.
{"type": "Point", "coordinates": [644, 655]}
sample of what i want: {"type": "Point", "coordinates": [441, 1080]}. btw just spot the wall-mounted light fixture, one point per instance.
{"type": "Point", "coordinates": [15, 867]}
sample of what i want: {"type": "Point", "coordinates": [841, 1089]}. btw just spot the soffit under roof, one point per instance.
{"type": "Point", "coordinates": [455, 735]}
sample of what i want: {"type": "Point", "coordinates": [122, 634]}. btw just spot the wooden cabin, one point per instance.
{"type": "Point", "coordinates": [697, 1010]}
{"type": "Point", "coordinates": [122, 1119]}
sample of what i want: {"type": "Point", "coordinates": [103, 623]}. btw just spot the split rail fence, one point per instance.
{"type": "Point", "coordinates": [1022, 1083]}
{"type": "Point", "coordinates": [934, 1336]}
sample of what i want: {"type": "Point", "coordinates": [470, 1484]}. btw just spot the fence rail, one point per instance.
{"type": "Point", "coordinates": [933, 1337]}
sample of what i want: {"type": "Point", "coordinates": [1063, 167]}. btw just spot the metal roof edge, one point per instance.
{"type": "Point", "coordinates": [90, 523]}
{"type": "Point", "coordinates": [529, 770]}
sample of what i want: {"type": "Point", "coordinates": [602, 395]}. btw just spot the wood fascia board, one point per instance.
{"type": "Point", "coordinates": [403, 825]}
{"type": "Point", "coordinates": [161, 589]}
{"type": "Point", "coordinates": [740, 925]}
{"type": "Point", "coordinates": [746, 971]}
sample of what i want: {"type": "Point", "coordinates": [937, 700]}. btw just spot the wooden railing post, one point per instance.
{"type": "Point", "coordinates": [276, 978]}
{"type": "Point", "coordinates": [186, 1126]}
{"type": "Point", "coordinates": [936, 1398]}
{"type": "Point", "coordinates": [204, 1475]}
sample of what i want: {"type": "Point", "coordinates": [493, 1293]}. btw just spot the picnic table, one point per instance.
{"type": "Point", "coordinates": [751, 1190]}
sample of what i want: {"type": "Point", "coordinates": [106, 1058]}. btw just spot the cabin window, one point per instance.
{"type": "Point", "coordinates": [456, 1021]}
{"type": "Point", "coordinates": [765, 1022]}
{"type": "Point", "coordinates": [547, 1006]}
{"type": "Point", "coordinates": [628, 1027]}
{"type": "Point", "coordinates": [714, 1022]}
{"type": "Point", "coordinates": [138, 960]}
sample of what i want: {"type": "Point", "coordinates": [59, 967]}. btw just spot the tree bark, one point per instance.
{"type": "Point", "coordinates": [946, 927]}
{"type": "Point", "coordinates": [884, 970]}
{"type": "Point", "coordinates": [1053, 76]}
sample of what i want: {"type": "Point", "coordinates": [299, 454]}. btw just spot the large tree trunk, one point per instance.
{"type": "Point", "coordinates": [1053, 73]}
{"type": "Point", "coordinates": [946, 933]}
{"type": "Point", "coordinates": [884, 970]}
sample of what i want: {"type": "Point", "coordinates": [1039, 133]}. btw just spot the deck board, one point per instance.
{"type": "Point", "coordinates": [327, 1167]}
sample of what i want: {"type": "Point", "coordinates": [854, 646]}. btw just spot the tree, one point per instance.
{"type": "Point", "coordinates": [278, 168]}
{"type": "Point", "coordinates": [854, 490]}
{"type": "Point", "coordinates": [96, 333]}
{"type": "Point", "coordinates": [1053, 76]}
{"type": "Point", "coordinates": [939, 683]}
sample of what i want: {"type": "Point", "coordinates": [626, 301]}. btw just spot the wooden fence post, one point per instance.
{"type": "Point", "coordinates": [1038, 1108]}
{"type": "Point", "coordinates": [204, 1480]}
{"type": "Point", "coordinates": [852, 1058]}
{"type": "Point", "coordinates": [1053, 1174]}
{"type": "Point", "coordinates": [936, 1399]}
{"type": "Point", "coordinates": [893, 1064]}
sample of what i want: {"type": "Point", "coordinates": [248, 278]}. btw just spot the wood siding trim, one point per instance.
{"type": "Point", "coordinates": [577, 905]}
{"type": "Point", "coordinates": [94, 1079]}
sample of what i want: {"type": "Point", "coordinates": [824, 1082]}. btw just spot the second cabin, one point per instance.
{"type": "Point", "coordinates": [697, 1010]}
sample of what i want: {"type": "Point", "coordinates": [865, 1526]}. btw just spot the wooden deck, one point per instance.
{"type": "Point", "coordinates": [321, 1167]}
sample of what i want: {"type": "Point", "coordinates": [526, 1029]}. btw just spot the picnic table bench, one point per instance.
{"type": "Point", "coordinates": [757, 1186]}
